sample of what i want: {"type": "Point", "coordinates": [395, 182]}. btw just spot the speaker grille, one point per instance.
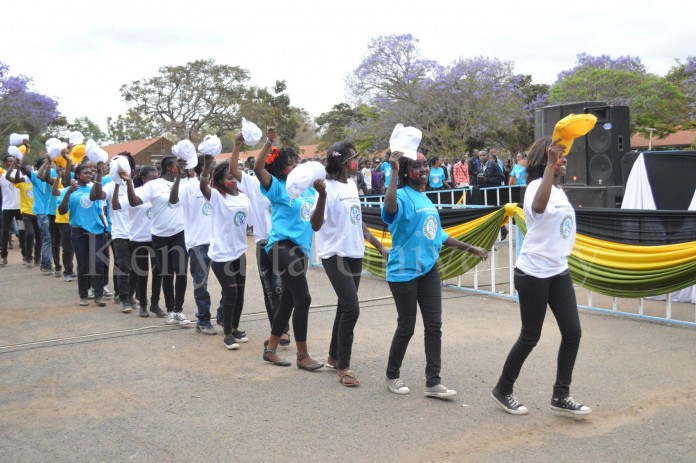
{"type": "Point", "coordinates": [599, 139]}
{"type": "Point", "coordinates": [600, 168]}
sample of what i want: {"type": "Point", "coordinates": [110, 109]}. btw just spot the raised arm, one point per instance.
{"type": "Point", "coordinates": [390, 203]}
{"type": "Point", "coordinates": [44, 173]}
{"type": "Point", "coordinates": [68, 167]}
{"type": "Point", "coordinates": [541, 199]}
{"type": "Point", "coordinates": [317, 218]}
{"type": "Point", "coordinates": [261, 173]}
{"type": "Point", "coordinates": [174, 192]}
{"type": "Point", "coordinates": [63, 206]}
{"type": "Point", "coordinates": [96, 191]}
{"type": "Point", "coordinates": [115, 204]}
{"type": "Point", "coordinates": [234, 160]}
{"type": "Point", "coordinates": [133, 199]}
{"type": "Point", "coordinates": [55, 191]}
{"type": "Point", "coordinates": [205, 175]}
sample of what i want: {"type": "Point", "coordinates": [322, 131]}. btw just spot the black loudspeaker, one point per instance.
{"type": "Point", "coordinates": [594, 159]}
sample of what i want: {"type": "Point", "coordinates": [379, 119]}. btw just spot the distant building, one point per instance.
{"type": "Point", "coordinates": [145, 152]}
{"type": "Point", "coordinates": [305, 152]}
{"type": "Point", "coordinates": [683, 139]}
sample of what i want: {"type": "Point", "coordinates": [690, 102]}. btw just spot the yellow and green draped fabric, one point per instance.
{"type": "Point", "coordinates": [478, 227]}
{"type": "Point", "coordinates": [621, 253]}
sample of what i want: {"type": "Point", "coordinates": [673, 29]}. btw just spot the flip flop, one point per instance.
{"type": "Point", "coordinates": [349, 374]}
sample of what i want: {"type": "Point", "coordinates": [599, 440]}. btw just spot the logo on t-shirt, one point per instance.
{"type": "Point", "coordinates": [566, 226]}
{"type": "Point", "coordinates": [30, 193]}
{"type": "Point", "coordinates": [239, 218]}
{"type": "Point", "coordinates": [355, 213]}
{"type": "Point", "coordinates": [430, 227]}
{"type": "Point", "coordinates": [305, 211]}
{"type": "Point", "coordinates": [149, 213]}
{"type": "Point", "coordinates": [207, 209]}
{"type": "Point", "coordinates": [85, 202]}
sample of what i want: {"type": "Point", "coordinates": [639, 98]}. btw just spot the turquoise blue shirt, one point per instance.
{"type": "Point", "coordinates": [84, 213]}
{"type": "Point", "coordinates": [437, 176]}
{"type": "Point", "coordinates": [417, 236]}
{"type": "Point", "coordinates": [520, 174]}
{"type": "Point", "coordinates": [289, 217]}
{"type": "Point", "coordinates": [387, 169]}
{"type": "Point", "coordinates": [42, 195]}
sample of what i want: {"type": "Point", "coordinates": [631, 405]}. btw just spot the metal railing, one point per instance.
{"type": "Point", "coordinates": [495, 277]}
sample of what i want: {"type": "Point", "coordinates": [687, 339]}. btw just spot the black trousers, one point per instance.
{"type": "Point", "coordinates": [535, 293]}
{"type": "Point", "coordinates": [7, 216]}
{"type": "Point", "coordinates": [271, 283]}
{"type": "Point", "coordinates": [89, 249]}
{"type": "Point", "coordinates": [32, 238]}
{"type": "Point", "coordinates": [172, 262]}
{"type": "Point", "coordinates": [425, 292]}
{"type": "Point", "coordinates": [122, 268]}
{"type": "Point", "coordinates": [232, 278]}
{"type": "Point", "coordinates": [344, 274]}
{"type": "Point", "coordinates": [289, 260]}
{"type": "Point", "coordinates": [143, 261]}
{"type": "Point", "coordinates": [66, 243]}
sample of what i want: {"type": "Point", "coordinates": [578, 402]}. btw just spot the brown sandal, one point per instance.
{"type": "Point", "coordinates": [348, 378]}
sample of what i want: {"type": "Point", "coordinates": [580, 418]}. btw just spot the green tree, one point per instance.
{"type": "Point", "coordinates": [654, 101]}
{"type": "Point", "coordinates": [131, 127]}
{"type": "Point", "coordinates": [194, 98]}
{"type": "Point", "coordinates": [82, 124]}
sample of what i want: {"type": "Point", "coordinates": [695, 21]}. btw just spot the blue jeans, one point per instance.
{"type": "Point", "coordinates": [46, 249]}
{"type": "Point", "coordinates": [200, 267]}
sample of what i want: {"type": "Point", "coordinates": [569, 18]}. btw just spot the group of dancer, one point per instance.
{"type": "Point", "coordinates": [163, 224]}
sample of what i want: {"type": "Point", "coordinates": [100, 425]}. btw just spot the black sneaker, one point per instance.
{"type": "Point", "coordinates": [568, 405]}
{"type": "Point", "coordinates": [155, 309]}
{"type": "Point", "coordinates": [509, 403]}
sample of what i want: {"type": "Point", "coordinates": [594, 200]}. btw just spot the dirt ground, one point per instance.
{"type": "Point", "coordinates": [93, 384]}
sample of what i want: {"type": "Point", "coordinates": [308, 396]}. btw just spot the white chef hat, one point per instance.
{"type": "Point", "coordinates": [251, 132]}
{"type": "Point", "coordinates": [211, 145]}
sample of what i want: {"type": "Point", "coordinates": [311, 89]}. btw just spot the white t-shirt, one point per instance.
{"type": "Point", "coordinates": [198, 220]}
{"type": "Point", "coordinates": [550, 236]}
{"type": "Point", "coordinates": [341, 234]}
{"type": "Point", "coordinates": [10, 194]}
{"type": "Point", "coordinates": [229, 223]}
{"type": "Point", "coordinates": [120, 218]}
{"type": "Point", "coordinates": [367, 176]}
{"type": "Point", "coordinates": [260, 210]}
{"type": "Point", "coordinates": [167, 218]}
{"type": "Point", "coordinates": [140, 220]}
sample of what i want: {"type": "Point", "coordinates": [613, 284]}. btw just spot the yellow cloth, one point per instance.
{"type": "Point", "coordinates": [26, 197]}
{"type": "Point", "coordinates": [77, 153]}
{"type": "Point", "coordinates": [571, 127]}
{"type": "Point", "coordinates": [23, 149]}
{"type": "Point", "coordinates": [61, 218]}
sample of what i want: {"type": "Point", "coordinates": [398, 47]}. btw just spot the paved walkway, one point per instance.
{"type": "Point", "coordinates": [113, 387]}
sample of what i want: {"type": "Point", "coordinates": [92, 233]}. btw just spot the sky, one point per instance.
{"type": "Point", "coordinates": [81, 52]}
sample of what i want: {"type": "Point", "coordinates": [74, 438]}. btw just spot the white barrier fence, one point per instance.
{"type": "Point", "coordinates": [495, 276]}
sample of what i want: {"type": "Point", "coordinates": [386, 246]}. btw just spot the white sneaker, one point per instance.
{"type": "Point", "coordinates": [90, 293]}
{"type": "Point", "coordinates": [177, 318]}
{"type": "Point", "coordinates": [107, 293]}
{"type": "Point", "coordinates": [440, 392]}
{"type": "Point", "coordinates": [397, 386]}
